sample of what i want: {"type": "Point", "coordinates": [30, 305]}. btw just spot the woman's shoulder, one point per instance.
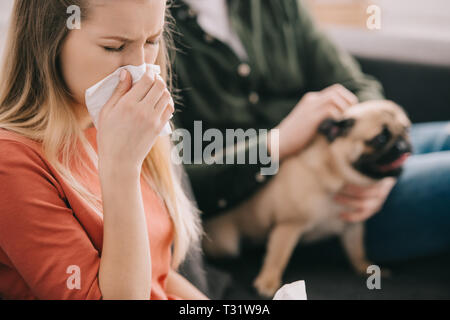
{"type": "Point", "coordinates": [16, 150]}
{"type": "Point", "coordinates": [23, 166]}
{"type": "Point", "coordinates": [8, 137]}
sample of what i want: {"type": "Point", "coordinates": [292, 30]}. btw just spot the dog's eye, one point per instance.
{"type": "Point", "coordinates": [380, 140]}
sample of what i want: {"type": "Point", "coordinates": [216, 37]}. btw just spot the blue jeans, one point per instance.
{"type": "Point", "coordinates": [415, 219]}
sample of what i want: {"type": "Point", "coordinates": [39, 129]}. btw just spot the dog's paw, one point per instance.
{"type": "Point", "coordinates": [386, 273]}
{"type": "Point", "coordinates": [267, 284]}
{"type": "Point", "coordinates": [222, 239]}
{"type": "Point", "coordinates": [363, 270]}
{"type": "Point", "coordinates": [218, 250]}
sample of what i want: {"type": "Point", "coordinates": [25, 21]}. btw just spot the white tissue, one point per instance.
{"type": "Point", "coordinates": [97, 95]}
{"type": "Point", "coordinates": [292, 291]}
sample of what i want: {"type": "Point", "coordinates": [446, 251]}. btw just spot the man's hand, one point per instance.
{"type": "Point", "coordinates": [364, 202]}
{"type": "Point", "coordinates": [298, 128]}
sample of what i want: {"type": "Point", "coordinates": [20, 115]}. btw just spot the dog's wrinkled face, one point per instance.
{"type": "Point", "coordinates": [371, 139]}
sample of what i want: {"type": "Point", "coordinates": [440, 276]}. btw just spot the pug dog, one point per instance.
{"type": "Point", "coordinates": [370, 142]}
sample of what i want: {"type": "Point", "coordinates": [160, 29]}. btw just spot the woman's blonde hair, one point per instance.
{"type": "Point", "coordinates": [36, 103]}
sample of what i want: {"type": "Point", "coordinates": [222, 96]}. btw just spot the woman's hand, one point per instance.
{"type": "Point", "coordinates": [129, 125]}
{"type": "Point", "coordinates": [364, 202]}
{"type": "Point", "coordinates": [131, 121]}
{"type": "Point", "coordinates": [298, 128]}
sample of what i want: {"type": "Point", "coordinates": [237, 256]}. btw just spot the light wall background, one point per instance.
{"type": "Point", "coordinates": [414, 30]}
{"type": "Point", "coordinates": [5, 10]}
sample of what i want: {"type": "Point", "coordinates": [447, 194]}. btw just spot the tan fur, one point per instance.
{"type": "Point", "coordinates": [297, 202]}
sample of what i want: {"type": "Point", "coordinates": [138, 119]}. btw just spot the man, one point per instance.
{"type": "Point", "coordinates": [249, 64]}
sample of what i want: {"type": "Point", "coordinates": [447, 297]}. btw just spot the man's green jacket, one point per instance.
{"type": "Point", "coordinates": [287, 56]}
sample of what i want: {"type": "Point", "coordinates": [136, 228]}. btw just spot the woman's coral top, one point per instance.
{"type": "Point", "coordinates": [50, 239]}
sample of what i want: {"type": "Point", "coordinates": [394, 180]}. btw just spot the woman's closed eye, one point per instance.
{"type": "Point", "coordinates": [114, 49]}
{"type": "Point", "coordinates": [120, 48]}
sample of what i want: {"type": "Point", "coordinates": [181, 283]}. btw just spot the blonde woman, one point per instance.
{"type": "Point", "coordinates": [87, 213]}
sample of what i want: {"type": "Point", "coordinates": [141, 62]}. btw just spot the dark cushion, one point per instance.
{"type": "Point", "coordinates": [423, 90]}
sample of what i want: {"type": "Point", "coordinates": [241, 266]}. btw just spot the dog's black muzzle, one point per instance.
{"type": "Point", "coordinates": [386, 163]}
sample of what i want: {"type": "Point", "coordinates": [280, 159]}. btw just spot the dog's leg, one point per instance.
{"type": "Point", "coordinates": [353, 242]}
{"type": "Point", "coordinates": [352, 239]}
{"type": "Point", "coordinates": [282, 242]}
{"type": "Point", "coordinates": [222, 237]}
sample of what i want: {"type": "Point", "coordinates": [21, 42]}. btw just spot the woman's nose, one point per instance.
{"type": "Point", "coordinates": [135, 58]}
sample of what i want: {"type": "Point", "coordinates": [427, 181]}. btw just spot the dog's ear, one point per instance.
{"type": "Point", "coordinates": [333, 129]}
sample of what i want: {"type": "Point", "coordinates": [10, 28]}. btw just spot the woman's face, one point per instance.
{"type": "Point", "coordinates": [115, 34]}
